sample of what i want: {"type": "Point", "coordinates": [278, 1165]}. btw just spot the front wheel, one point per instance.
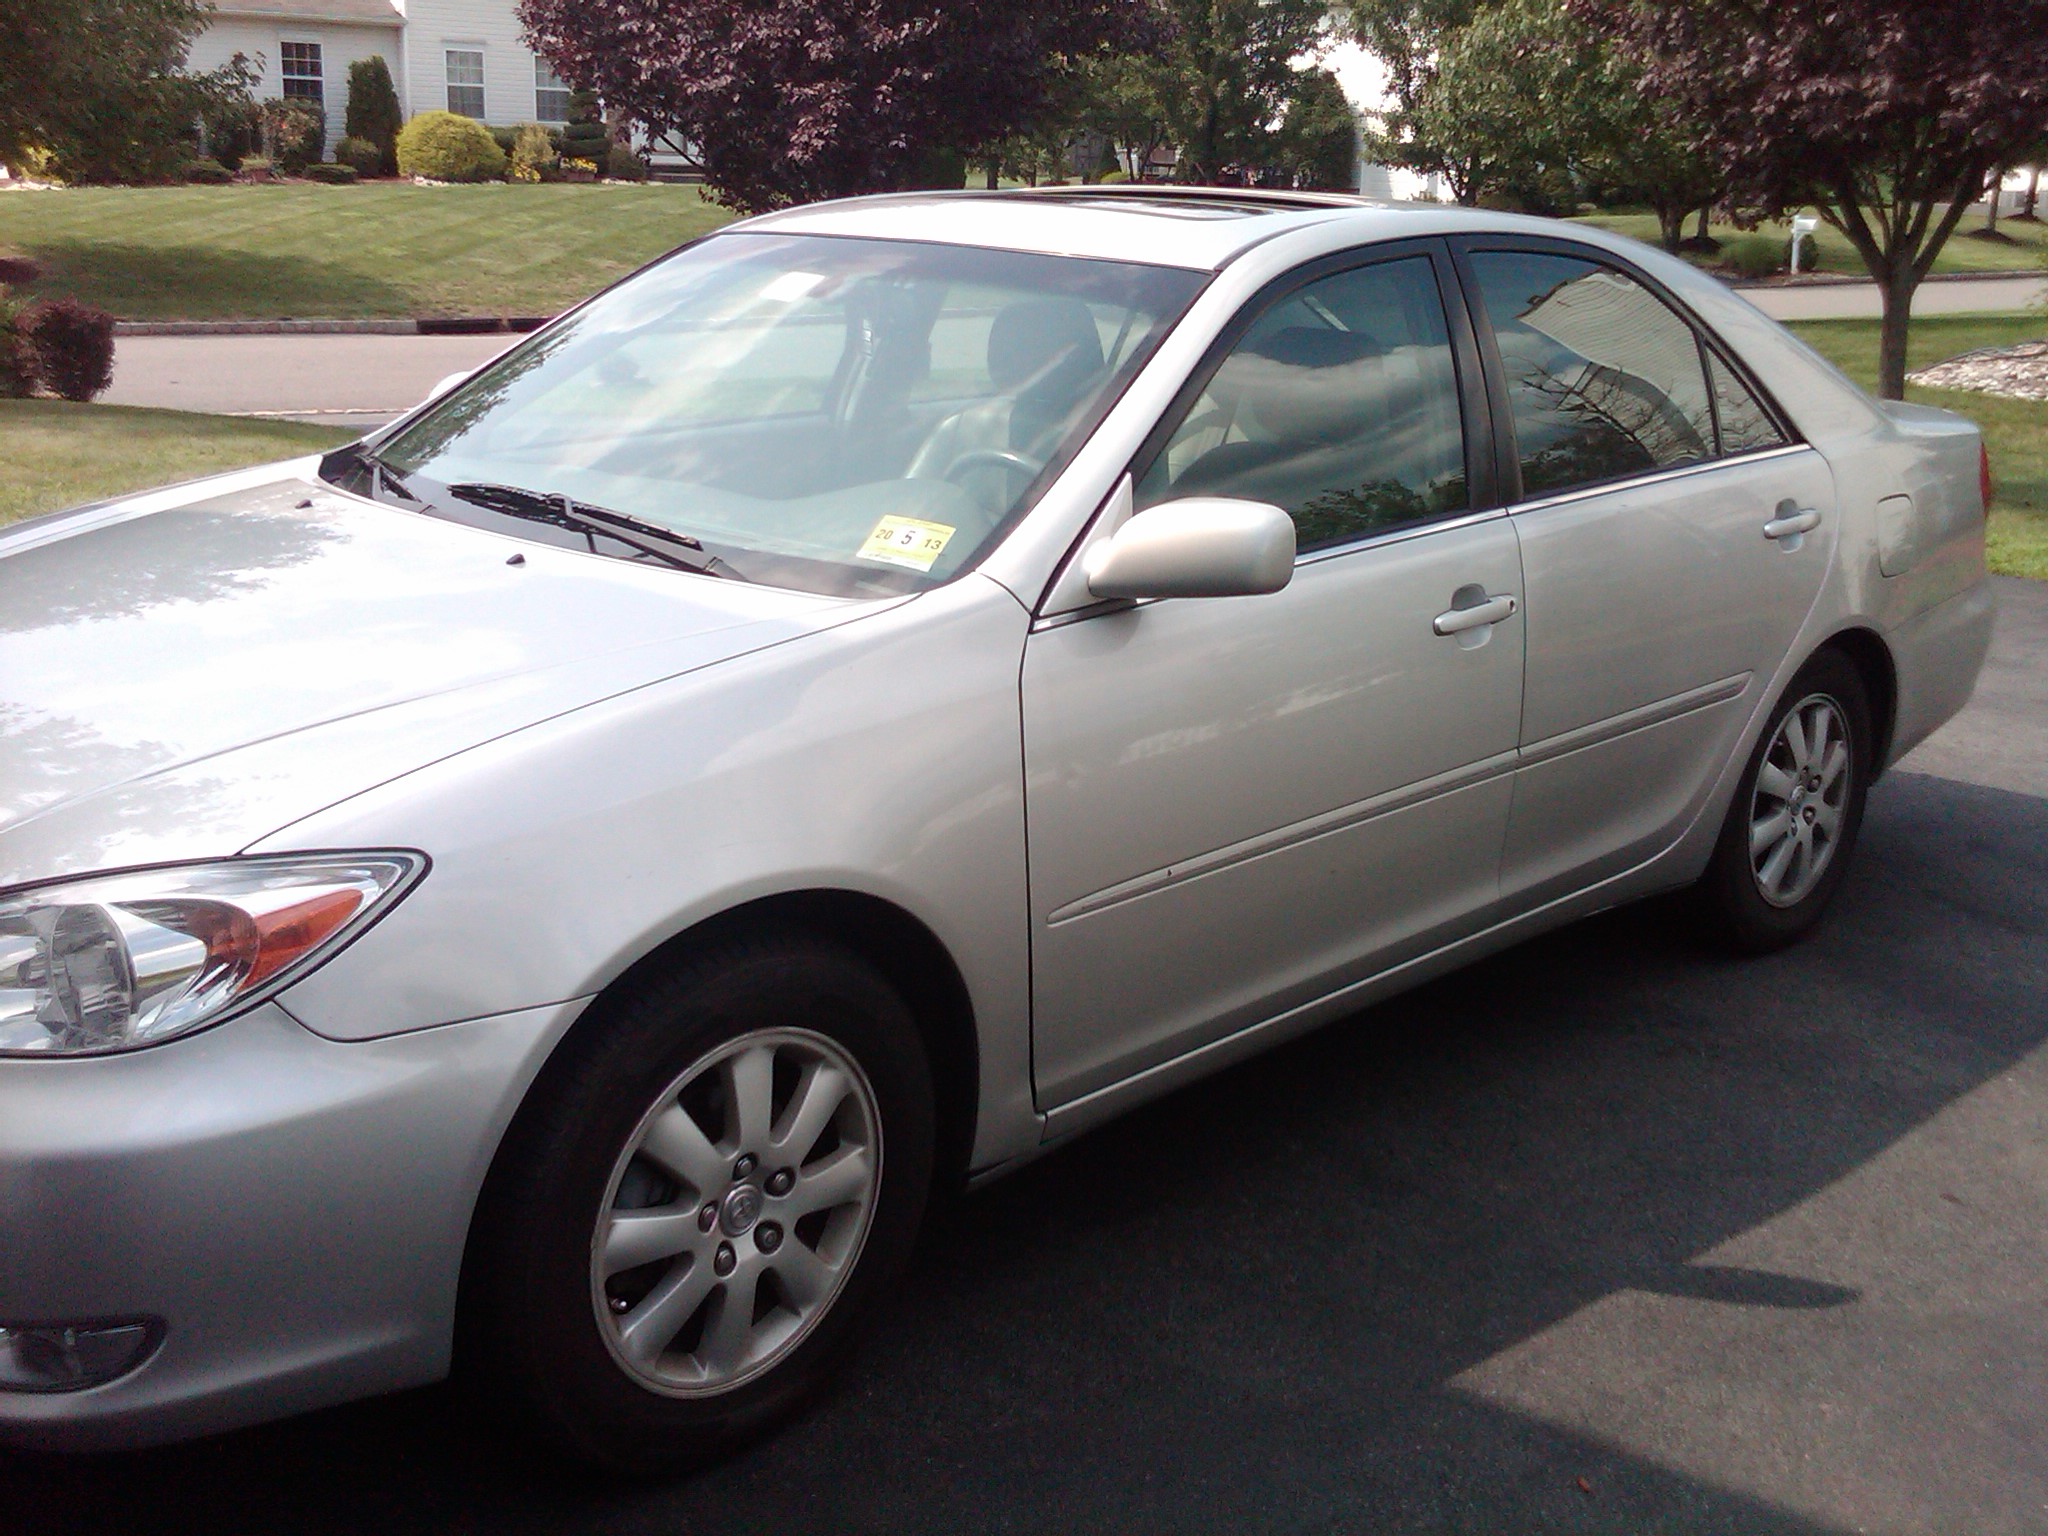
{"type": "Point", "coordinates": [703, 1198]}
{"type": "Point", "coordinates": [1785, 846]}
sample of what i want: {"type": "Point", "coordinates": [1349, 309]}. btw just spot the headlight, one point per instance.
{"type": "Point", "coordinates": [119, 961]}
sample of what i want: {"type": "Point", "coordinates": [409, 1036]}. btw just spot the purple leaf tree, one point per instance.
{"type": "Point", "coordinates": [787, 101]}
{"type": "Point", "coordinates": [1885, 115]}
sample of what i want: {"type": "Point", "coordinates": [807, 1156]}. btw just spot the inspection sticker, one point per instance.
{"type": "Point", "coordinates": [905, 541]}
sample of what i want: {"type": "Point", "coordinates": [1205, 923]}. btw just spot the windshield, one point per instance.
{"type": "Point", "coordinates": [839, 415]}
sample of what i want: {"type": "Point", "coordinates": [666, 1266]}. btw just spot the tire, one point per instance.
{"type": "Point", "coordinates": [603, 1290]}
{"type": "Point", "coordinates": [1749, 902]}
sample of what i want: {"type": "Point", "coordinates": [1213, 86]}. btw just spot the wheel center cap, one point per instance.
{"type": "Point", "coordinates": [739, 1209]}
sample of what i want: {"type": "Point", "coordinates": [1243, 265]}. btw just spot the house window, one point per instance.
{"type": "Point", "coordinates": [300, 73]}
{"type": "Point", "coordinates": [466, 81]}
{"type": "Point", "coordinates": [550, 94]}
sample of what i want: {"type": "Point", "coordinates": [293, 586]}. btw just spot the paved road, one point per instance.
{"type": "Point", "coordinates": [363, 381]}
{"type": "Point", "coordinates": [1602, 1235]}
{"type": "Point", "coordinates": [359, 381]}
{"type": "Point", "coordinates": [1836, 301]}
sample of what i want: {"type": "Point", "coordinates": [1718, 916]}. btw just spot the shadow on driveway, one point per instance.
{"type": "Point", "coordinates": [1295, 1296]}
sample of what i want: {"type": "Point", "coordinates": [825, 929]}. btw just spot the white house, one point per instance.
{"type": "Point", "coordinates": [467, 56]}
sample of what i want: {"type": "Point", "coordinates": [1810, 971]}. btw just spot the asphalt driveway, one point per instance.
{"type": "Point", "coordinates": [1602, 1235]}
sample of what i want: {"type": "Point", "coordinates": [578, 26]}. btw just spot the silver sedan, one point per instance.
{"type": "Point", "coordinates": [547, 891]}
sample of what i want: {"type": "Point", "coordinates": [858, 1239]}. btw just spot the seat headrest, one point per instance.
{"type": "Point", "coordinates": [1308, 385]}
{"type": "Point", "coordinates": [1055, 338]}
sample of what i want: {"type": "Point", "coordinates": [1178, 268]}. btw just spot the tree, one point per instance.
{"type": "Point", "coordinates": [1886, 115]}
{"type": "Point", "coordinates": [1223, 75]}
{"type": "Point", "coordinates": [373, 112]}
{"type": "Point", "coordinates": [1318, 139]}
{"type": "Point", "coordinates": [99, 85]}
{"type": "Point", "coordinates": [786, 101]}
{"type": "Point", "coordinates": [1408, 37]}
{"type": "Point", "coordinates": [1526, 102]}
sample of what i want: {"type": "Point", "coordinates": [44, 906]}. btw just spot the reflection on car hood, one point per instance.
{"type": "Point", "coordinates": [179, 680]}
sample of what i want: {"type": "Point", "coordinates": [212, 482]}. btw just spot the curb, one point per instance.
{"type": "Point", "coordinates": [428, 325]}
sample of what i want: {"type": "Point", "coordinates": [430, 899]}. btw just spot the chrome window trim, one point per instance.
{"type": "Point", "coordinates": [1400, 535]}
{"type": "Point", "coordinates": [1655, 477]}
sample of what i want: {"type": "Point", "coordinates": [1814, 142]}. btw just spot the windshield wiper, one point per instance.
{"type": "Point", "coordinates": [356, 459]}
{"type": "Point", "coordinates": [665, 544]}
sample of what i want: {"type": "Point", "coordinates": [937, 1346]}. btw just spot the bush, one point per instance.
{"type": "Point", "coordinates": [533, 155]}
{"type": "Point", "coordinates": [208, 173]}
{"type": "Point", "coordinates": [586, 137]}
{"type": "Point", "coordinates": [229, 131]}
{"type": "Point", "coordinates": [623, 163]}
{"type": "Point", "coordinates": [445, 146]}
{"type": "Point", "coordinates": [360, 156]}
{"type": "Point", "coordinates": [17, 268]}
{"type": "Point", "coordinates": [294, 133]}
{"type": "Point", "coordinates": [72, 345]}
{"type": "Point", "coordinates": [254, 168]}
{"type": "Point", "coordinates": [504, 138]}
{"type": "Point", "coordinates": [332, 175]}
{"type": "Point", "coordinates": [373, 115]}
{"type": "Point", "coordinates": [17, 362]}
{"type": "Point", "coordinates": [1755, 256]}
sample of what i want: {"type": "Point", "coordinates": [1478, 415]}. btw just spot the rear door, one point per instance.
{"type": "Point", "coordinates": [1674, 537]}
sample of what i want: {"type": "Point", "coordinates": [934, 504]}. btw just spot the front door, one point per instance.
{"type": "Point", "coordinates": [1237, 805]}
{"type": "Point", "coordinates": [1674, 540]}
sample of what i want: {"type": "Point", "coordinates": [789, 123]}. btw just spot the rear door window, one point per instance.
{"type": "Point", "coordinates": [1604, 380]}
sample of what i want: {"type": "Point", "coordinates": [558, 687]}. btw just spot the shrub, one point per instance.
{"type": "Point", "coordinates": [1754, 256]}
{"type": "Point", "coordinates": [254, 168]}
{"type": "Point", "coordinates": [229, 130]}
{"type": "Point", "coordinates": [208, 173]}
{"type": "Point", "coordinates": [17, 268]}
{"type": "Point", "coordinates": [294, 133]}
{"type": "Point", "coordinates": [17, 361]}
{"type": "Point", "coordinates": [586, 137]}
{"type": "Point", "coordinates": [623, 163]}
{"type": "Point", "coordinates": [360, 155]}
{"type": "Point", "coordinates": [72, 345]}
{"type": "Point", "coordinates": [445, 146]}
{"type": "Point", "coordinates": [504, 138]}
{"type": "Point", "coordinates": [332, 175]}
{"type": "Point", "coordinates": [373, 115]}
{"type": "Point", "coordinates": [533, 155]}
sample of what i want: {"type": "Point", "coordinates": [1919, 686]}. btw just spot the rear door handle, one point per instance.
{"type": "Point", "coordinates": [1458, 620]}
{"type": "Point", "coordinates": [1787, 524]}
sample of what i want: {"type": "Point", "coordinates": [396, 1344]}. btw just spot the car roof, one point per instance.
{"type": "Point", "coordinates": [1200, 228]}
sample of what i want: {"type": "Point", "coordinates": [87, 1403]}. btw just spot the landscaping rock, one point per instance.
{"type": "Point", "coordinates": [2019, 371]}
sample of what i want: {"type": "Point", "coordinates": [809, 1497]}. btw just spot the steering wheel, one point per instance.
{"type": "Point", "coordinates": [993, 458]}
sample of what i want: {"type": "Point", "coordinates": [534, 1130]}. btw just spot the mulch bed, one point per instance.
{"type": "Point", "coordinates": [2019, 371]}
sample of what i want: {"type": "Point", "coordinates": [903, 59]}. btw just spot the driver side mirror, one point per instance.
{"type": "Point", "coordinates": [1205, 546]}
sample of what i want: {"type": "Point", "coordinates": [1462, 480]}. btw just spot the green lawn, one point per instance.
{"type": "Point", "coordinates": [1963, 253]}
{"type": "Point", "coordinates": [302, 251]}
{"type": "Point", "coordinates": [54, 454]}
{"type": "Point", "coordinates": [2016, 431]}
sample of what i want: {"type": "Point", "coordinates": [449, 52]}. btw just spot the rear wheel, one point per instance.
{"type": "Point", "coordinates": [1785, 846]}
{"type": "Point", "coordinates": [700, 1202]}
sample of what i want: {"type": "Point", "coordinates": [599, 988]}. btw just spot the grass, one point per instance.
{"type": "Point", "coordinates": [389, 249]}
{"type": "Point", "coordinates": [2028, 253]}
{"type": "Point", "coordinates": [2016, 431]}
{"type": "Point", "coordinates": [54, 454]}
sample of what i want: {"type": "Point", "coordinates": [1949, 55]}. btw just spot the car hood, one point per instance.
{"type": "Point", "coordinates": [183, 674]}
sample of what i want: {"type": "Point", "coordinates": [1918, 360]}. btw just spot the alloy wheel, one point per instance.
{"type": "Point", "coordinates": [1802, 792]}
{"type": "Point", "coordinates": [736, 1212]}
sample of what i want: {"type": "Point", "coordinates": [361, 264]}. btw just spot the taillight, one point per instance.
{"type": "Point", "coordinates": [1984, 474]}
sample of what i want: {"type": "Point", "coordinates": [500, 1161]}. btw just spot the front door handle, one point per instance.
{"type": "Point", "coordinates": [1791, 521]}
{"type": "Point", "coordinates": [1458, 620]}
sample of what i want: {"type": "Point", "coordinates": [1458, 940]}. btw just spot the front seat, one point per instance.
{"type": "Point", "coordinates": [1042, 356]}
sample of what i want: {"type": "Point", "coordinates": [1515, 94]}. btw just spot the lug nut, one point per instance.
{"type": "Point", "coordinates": [781, 1182]}
{"type": "Point", "coordinates": [768, 1237]}
{"type": "Point", "coordinates": [724, 1260]}
{"type": "Point", "coordinates": [707, 1218]}
{"type": "Point", "coordinates": [620, 1304]}
{"type": "Point", "coordinates": [746, 1165]}
{"type": "Point", "coordinates": [1809, 813]}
